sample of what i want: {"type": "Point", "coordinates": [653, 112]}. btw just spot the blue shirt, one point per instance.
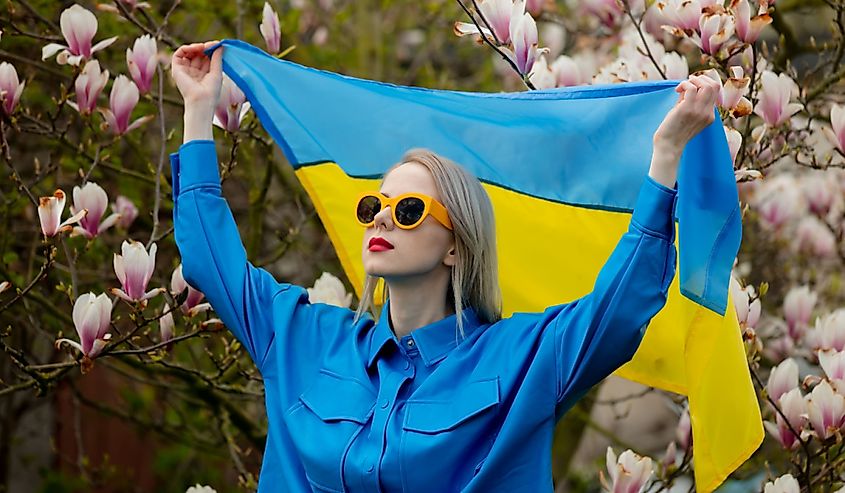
{"type": "Point", "coordinates": [352, 408]}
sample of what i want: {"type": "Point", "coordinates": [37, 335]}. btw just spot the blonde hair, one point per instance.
{"type": "Point", "coordinates": [475, 276]}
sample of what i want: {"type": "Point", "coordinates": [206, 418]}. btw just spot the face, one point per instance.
{"type": "Point", "coordinates": [421, 251]}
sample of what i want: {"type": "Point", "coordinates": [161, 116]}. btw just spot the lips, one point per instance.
{"type": "Point", "coordinates": [379, 244]}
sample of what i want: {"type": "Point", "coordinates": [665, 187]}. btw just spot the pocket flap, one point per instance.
{"type": "Point", "coordinates": [435, 416]}
{"type": "Point", "coordinates": [337, 397]}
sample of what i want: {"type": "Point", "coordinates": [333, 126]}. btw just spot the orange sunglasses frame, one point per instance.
{"type": "Point", "coordinates": [432, 207]}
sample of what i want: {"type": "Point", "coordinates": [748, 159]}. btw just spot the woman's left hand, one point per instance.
{"type": "Point", "coordinates": [691, 114]}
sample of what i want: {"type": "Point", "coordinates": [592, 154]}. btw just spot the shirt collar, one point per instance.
{"type": "Point", "coordinates": [434, 340]}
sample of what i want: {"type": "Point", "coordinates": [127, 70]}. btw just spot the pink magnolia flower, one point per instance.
{"type": "Point", "coordinates": [820, 194]}
{"type": "Point", "coordinates": [498, 14]}
{"type": "Point", "coordinates": [837, 122]}
{"type": "Point", "coordinates": [165, 323]}
{"type": "Point", "coordinates": [134, 268]}
{"type": "Point", "coordinates": [142, 60]}
{"type": "Point", "coordinates": [10, 88]}
{"type": "Point", "coordinates": [683, 14]}
{"type": "Point", "coordinates": [535, 7]}
{"type": "Point", "coordinates": [270, 28]}
{"type": "Point", "coordinates": [542, 76]}
{"type": "Point", "coordinates": [775, 92]}
{"type": "Point", "coordinates": [777, 210]}
{"type": "Point", "coordinates": [628, 473]}
{"type": "Point", "coordinates": [734, 141]}
{"type": "Point", "coordinates": [523, 31]}
{"type": "Point", "coordinates": [674, 65]}
{"type": "Point", "coordinates": [794, 407]}
{"type": "Point", "coordinates": [829, 332]}
{"type": "Point", "coordinates": [330, 290]}
{"type": "Point", "coordinates": [126, 209]}
{"type": "Point", "coordinates": [716, 28]}
{"type": "Point", "coordinates": [798, 305]}
{"type": "Point", "coordinates": [608, 12]}
{"type": "Point", "coordinates": [92, 317]}
{"type": "Point", "coordinates": [89, 84]}
{"type": "Point", "coordinates": [566, 72]}
{"type": "Point", "coordinates": [747, 311]}
{"type": "Point", "coordinates": [782, 379]}
{"type": "Point", "coordinates": [178, 285]}
{"type": "Point", "coordinates": [5, 285]}
{"type": "Point", "coordinates": [122, 100]}
{"type": "Point", "coordinates": [93, 198]}
{"type": "Point", "coordinates": [748, 28]}
{"type": "Point", "coordinates": [78, 27]}
{"type": "Point", "coordinates": [732, 96]}
{"type": "Point", "coordinates": [813, 237]}
{"type": "Point", "coordinates": [231, 107]}
{"type": "Point", "coordinates": [783, 484]}
{"type": "Point", "coordinates": [50, 214]}
{"type": "Point", "coordinates": [833, 364]}
{"type": "Point", "coordinates": [825, 409]}
{"type": "Point", "coordinates": [731, 92]}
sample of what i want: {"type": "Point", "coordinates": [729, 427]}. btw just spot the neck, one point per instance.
{"type": "Point", "coordinates": [416, 302]}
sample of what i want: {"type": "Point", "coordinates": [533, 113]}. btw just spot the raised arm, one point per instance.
{"type": "Point", "coordinates": [213, 257]}
{"type": "Point", "coordinates": [596, 334]}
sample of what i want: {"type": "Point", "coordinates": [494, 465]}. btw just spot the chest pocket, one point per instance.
{"type": "Point", "coordinates": [449, 436]}
{"type": "Point", "coordinates": [324, 421]}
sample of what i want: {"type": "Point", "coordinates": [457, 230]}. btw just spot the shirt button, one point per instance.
{"type": "Point", "coordinates": [385, 403]}
{"type": "Point", "coordinates": [410, 343]}
{"type": "Point", "coordinates": [407, 364]}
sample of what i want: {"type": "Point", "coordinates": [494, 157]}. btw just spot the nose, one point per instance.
{"type": "Point", "coordinates": [384, 219]}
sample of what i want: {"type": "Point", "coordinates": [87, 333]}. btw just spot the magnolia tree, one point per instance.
{"type": "Point", "coordinates": [87, 106]}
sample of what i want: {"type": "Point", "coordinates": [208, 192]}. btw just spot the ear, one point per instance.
{"type": "Point", "coordinates": [451, 258]}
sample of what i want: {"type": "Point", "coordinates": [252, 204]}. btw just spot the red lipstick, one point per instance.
{"type": "Point", "coordinates": [379, 244]}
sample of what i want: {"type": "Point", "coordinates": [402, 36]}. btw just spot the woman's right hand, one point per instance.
{"type": "Point", "coordinates": [197, 76]}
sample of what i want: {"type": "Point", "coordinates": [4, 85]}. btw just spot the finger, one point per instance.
{"type": "Point", "coordinates": [706, 90]}
{"type": "Point", "coordinates": [191, 50]}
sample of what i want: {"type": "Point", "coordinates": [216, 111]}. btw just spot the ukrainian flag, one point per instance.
{"type": "Point", "coordinates": [562, 167]}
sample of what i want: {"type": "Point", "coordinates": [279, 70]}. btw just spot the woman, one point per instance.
{"type": "Point", "coordinates": [440, 394]}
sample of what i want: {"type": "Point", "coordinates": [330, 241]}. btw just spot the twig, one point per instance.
{"type": "Point", "coordinates": [71, 265]}
{"type": "Point", "coordinates": [496, 48]}
{"type": "Point", "coordinates": [93, 165]}
{"type": "Point", "coordinates": [161, 155]}
{"type": "Point", "coordinates": [41, 274]}
{"type": "Point", "coordinates": [804, 445]}
{"type": "Point", "coordinates": [7, 156]}
{"type": "Point", "coordinates": [638, 25]}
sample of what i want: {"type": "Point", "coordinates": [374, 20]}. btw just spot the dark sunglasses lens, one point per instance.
{"type": "Point", "coordinates": [368, 207]}
{"type": "Point", "coordinates": [409, 211]}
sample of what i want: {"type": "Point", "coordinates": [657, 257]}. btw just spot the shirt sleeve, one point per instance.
{"type": "Point", "coordinates": [213, 257]}
{"type": "Point", "coordinates": [596, 334]}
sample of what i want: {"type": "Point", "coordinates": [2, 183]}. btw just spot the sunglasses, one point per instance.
{"type": "Point", "coordinates": [408, 210]}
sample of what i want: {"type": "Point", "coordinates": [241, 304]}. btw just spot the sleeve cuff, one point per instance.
{"type": "Point", "coordinates": [194, 165]}
{"type": "Point", "coordinates": [654, 212]}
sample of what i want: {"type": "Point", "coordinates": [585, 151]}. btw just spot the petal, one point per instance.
{"type": "Point", "coordinates": [140, 121]}
{"type": "Point", "coordinates": [108, 222]}
{"type": "Point", "coordinates": [119, 271]}
{"type": "Point", "coordinates": [74, 218]}
{"type": "Point", "coordinates": [121, 294]}
{"type": "Point", "coordinates": [153, 293]}
{"type": "Point", "coordinates": [103, 44]}
{"type": "Point", "coordinates": [74, 344]}
{"type": "Point", "coordinates": [51, 49]}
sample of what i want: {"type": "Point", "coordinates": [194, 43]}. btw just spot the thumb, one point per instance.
{"type": "Point", "coordinates": [217, 61]}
